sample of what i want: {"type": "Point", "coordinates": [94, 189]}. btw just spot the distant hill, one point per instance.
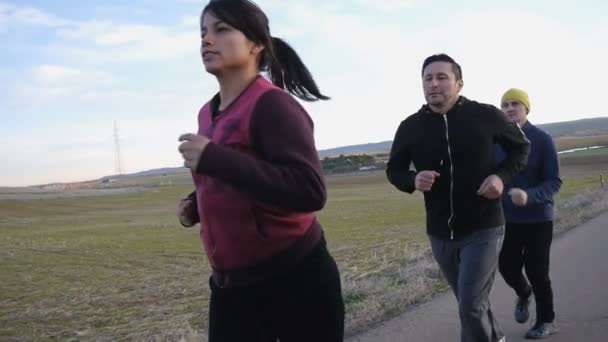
{"type": "Point", "coordinates": [378, 147]}
{"type": "Point", "coordinates": [584, 127]}
{"type": "Point", "coordinates": [153, 172]}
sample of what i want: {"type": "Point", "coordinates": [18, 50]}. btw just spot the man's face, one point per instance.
{"type": "Point", "coordinates": [440, 84]}
{"type": "Point", "coordinates": [515, 110]}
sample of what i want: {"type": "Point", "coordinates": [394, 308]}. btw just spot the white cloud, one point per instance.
{"type": "Point", "coordinates": [103, 41]}
{"type": "Point", "coordinates": [107, 34]}
{"type": "Point", "coordinates": [387, 6]}
{"type": "Point", "coordinates": [33, 16]}
{"type": "Point", "coordinates": [4, 16]}
{"type": "Point", "coordinates": [191, 21]}
{"type": "Point", "coordinates": [19, 15]}
{"type": "Point", "coordinates": [106, 42]}
{"type": "Point", "coordinates": [48, 86]}
{"type": "Point", "coordinates": [129, 34]}
{"type": "Point", "coordinates": [49, 74]}
{"type": "Point", "coordinates": [85, 30]}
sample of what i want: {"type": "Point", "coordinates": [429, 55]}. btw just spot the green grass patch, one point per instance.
{"type": "Point", "coordinates": [568, 143]}
{"type": "Point", "coordinates": [586, 153]}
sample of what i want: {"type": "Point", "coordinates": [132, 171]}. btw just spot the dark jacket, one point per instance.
{"type": "Point", "coordinates": [540, 179]}
{"type": "Point", "coordinates": [460, 146]}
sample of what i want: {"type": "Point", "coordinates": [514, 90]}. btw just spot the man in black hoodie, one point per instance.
{"type": "Point", "coordinates": [451, 142]}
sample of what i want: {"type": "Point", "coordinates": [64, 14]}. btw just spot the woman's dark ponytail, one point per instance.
{"type": "Point", "coordinates": [286, 70]}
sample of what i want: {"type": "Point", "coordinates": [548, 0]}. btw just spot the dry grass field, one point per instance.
{"type": "Point", "coordinates": [117, 266]}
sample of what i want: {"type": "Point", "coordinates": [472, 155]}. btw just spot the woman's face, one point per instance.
{"type": "Point", "coordinates": [224, 48]}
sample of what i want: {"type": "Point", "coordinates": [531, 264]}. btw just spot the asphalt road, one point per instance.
{"type": "Point", "coordinates": [579, 272]}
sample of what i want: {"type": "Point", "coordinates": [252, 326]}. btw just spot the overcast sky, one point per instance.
{"type": "Point", "coordinates": [69, 69]}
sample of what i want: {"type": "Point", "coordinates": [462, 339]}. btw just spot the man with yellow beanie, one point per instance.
{"type": "Point", "coordinates": [528, 207]}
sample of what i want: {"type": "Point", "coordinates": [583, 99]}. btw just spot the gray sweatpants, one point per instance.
{"type": "Point", "coordinates": [469, 265]}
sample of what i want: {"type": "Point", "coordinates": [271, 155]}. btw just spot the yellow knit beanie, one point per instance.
{"type": "Point", "coordinates": [517, 94]}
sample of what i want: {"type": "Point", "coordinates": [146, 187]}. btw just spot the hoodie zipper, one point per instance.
{"type": "Point", "coordinates": [447, 138]}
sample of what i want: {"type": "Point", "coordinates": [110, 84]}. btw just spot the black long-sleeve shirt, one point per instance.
{"type": "Point", "coordinates": [460, 146]}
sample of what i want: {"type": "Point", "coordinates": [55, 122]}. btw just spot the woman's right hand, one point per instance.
{"type": "Point", "coordinates": [186, 212]}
